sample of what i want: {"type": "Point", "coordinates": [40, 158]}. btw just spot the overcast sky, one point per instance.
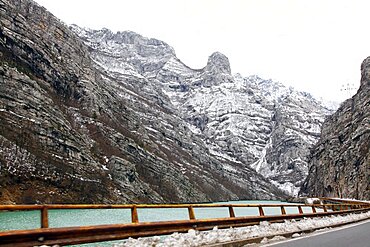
{"type": "Point", "coordinates": [313, 45]}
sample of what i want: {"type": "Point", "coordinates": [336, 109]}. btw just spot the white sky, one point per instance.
{"type": "Point", "coordinates": [313, 45]}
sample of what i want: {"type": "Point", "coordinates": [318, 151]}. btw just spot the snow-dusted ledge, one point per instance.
{"type": "Point", "coordinates": [196, 238]}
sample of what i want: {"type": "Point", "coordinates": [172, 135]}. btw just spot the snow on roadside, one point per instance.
{"type": "Point", "coordinates": [199, 238]}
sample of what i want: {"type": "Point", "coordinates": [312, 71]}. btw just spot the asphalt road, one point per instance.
{"type": "Point", "coordinates": [353, 236]}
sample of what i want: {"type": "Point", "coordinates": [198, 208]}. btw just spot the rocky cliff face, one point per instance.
{"type": "Point", "coordinates": [47, 88]}
{"type": "Point", "coordinates": [340, 161]}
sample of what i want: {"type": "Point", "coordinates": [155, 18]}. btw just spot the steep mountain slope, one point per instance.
{"type": "Point", "coordinates": [340, 161]}
{"type": "Point", "coordinates": [43, 67]}
{"type": "Point", "coordinates": [250, 121]}
{"type": "Point", "coordinates": [75, 130]}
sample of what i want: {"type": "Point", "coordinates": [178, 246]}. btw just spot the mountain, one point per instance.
{"type": "Point", "coordinates": [92, 116]}
{"type": "Point", "coordinates": [255, 122]}
{"type": "Point", "coordinates": [339, 165]}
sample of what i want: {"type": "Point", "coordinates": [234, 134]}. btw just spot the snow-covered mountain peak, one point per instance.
{"type": "Point", "coordinates": [218, 63]}
{"type": "Point", "coordinates": [216, 72]}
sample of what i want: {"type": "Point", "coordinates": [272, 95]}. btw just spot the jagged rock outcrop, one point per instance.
{"type": "Point", "coordinates": [85, 119]}
{"type": "Point", "coordinates": [340, 161]}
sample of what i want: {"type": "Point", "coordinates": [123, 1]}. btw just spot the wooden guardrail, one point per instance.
{"type": "Point", "coordinates": [87, 234]}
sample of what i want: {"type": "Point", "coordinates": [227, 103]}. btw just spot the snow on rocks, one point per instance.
{"type": "Point", "coordinates": [259, 123]}
{"type": "Point", "coordinates": [312, 201]}
{"type": "Point", "coordinates": [200, 238]}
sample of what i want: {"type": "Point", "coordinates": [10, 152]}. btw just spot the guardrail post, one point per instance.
{"type": "Point", "coordinates": [44, 217]}
{"type": "Point", "coordinates": [134, 215]}
{"type": "Point", "coordinates": [324, 207]}
{"type": "Point", "coordinates": [300, 210]}
{"type": "Point", "coordinates": [260, 209]}
{"type": "Point", "coordinates": [231, 212]}
{"type": "Point", "coordinates": [283, 212]}
{"type": "Point", "coordinates": [313, 209]}
{"type": "Point", "coordinates": [191, 213]}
